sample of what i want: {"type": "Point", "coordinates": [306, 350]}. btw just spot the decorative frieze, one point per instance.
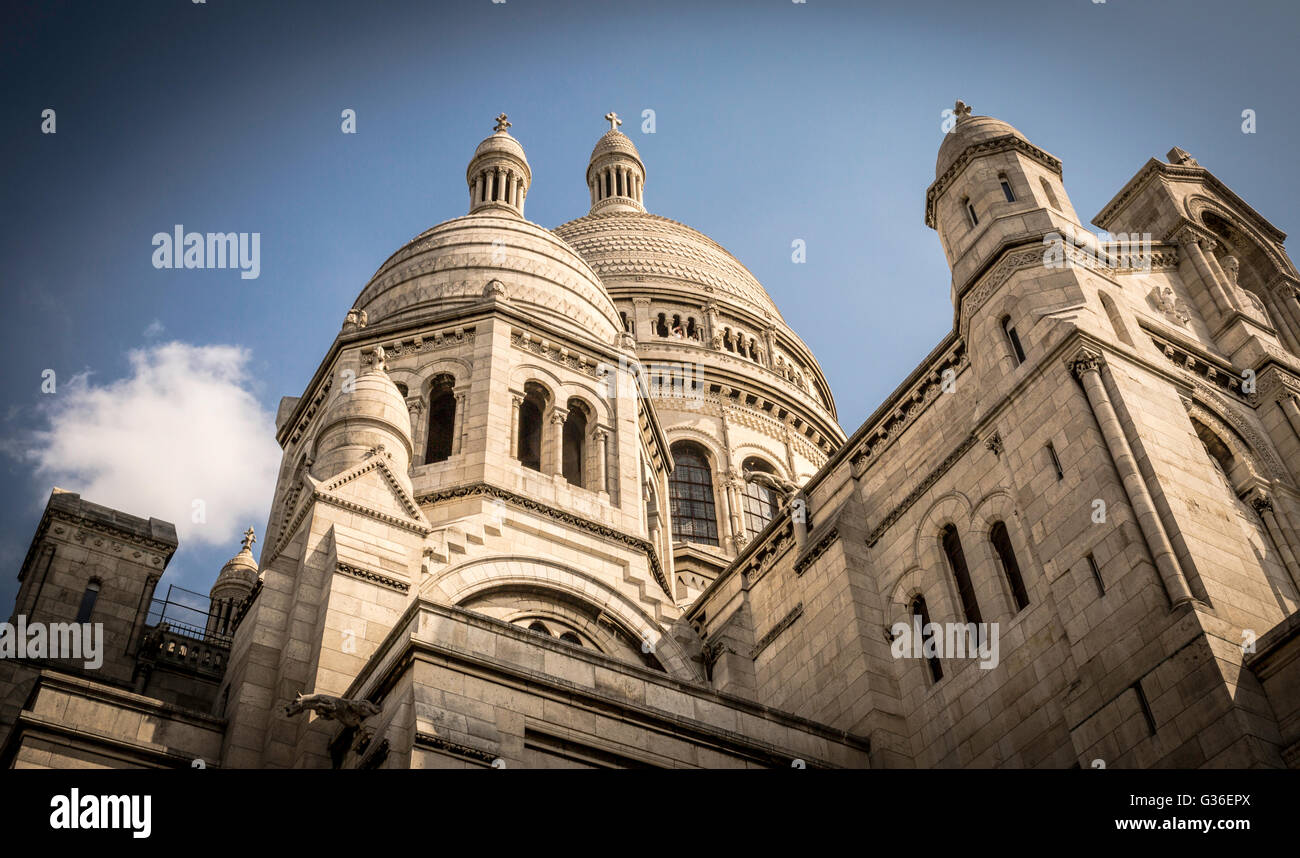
{"type": "Point", "coordinates": [373, 577]}
{"type": "Point", "coordinates": [786, 622]}
{"type": "Point", "coordinates": [438, 743]}
{"type": "Point", "coordinates": [818, 549]}
{"type": "Point", "coordinates": [561, 355]}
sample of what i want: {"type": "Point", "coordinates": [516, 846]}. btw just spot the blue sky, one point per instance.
{"type": "Point", "coordinates": [774, 121]}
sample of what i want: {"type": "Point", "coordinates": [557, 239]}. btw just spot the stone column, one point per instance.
{"type": "Point", "coordinates": [419, 430]}
{"type": "Point", "coordinates": [734, 517]}
{"type": "Point", "coordinates": [1263, 505]}
{"type": "Point", "coordinates": [602, 458]}
{"type": "Point", "coordinates": [1191, 246]}
{"type": "Point", "coordinates": [641, 311]}
{"type": "Point", "coordinates": [477, 193]}
{"type": "Point", "coordinates": [459, 428]}
{"type": "Point", "coordinates": [1291, 409]}
{"type": "Point", "coordinates": [556, 442]}
{"type": "Point", "coordinates": [1086, 366]}
{"type": "Point", "coordinates": [1286, 307]}
{"type": "Point", "coordinates": [516, 402]}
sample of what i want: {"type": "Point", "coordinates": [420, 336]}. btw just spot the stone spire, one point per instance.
{"type": "Point", "coordinates": [498, 175]}
{"type": "Point", "coordinates": [615, 175]}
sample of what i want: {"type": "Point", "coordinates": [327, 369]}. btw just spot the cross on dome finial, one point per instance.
{"type": "Point", "coordinates": [613, 120]}
{"type": "Point", "coordinates": [962, 110]}
{"type": "Point", "coordinates": [249, 538]}
{"type": "Point", "coordinates": [502, 125]}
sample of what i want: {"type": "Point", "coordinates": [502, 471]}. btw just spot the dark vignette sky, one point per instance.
{"type": "Point", "coordinates": [774, 121]}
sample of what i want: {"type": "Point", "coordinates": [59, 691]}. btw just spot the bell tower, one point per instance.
{"type": "Point", "coordinates": [993, 188]}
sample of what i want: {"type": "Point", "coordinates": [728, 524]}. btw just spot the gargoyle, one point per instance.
{"type": "Point", "coordinates": [349, 713]}
{"type": "Point", "coordinates": [783, 488]}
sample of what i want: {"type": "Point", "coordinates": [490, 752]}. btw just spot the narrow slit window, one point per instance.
{"type": "Point", "coordinates": [1001, 540]}
{"type": "Point", "coordinates": [919, 610]}
{"type": "Point", "coordinates": [1013, 339]}
{"type": "Point", "coordinates": [88, 602]}
{"type": "Point", "coordinates": [1006, 190]}
{"type": "Point", "coordinates": [957, 565]}
{"type": "Point", "coordinates": [970, 213]}
{"type": "Point", "coordinates": [1096, 576]}
{"type": "Point", "coordinates": [1055, 462]}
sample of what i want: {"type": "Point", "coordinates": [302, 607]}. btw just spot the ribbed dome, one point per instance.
{"type": "Point", "coordinates": [501, 142]}
{"type": "Point", "coordinates": [628, 244]}
{"type": "Point", "coordinates": [614, 142]}
{"type": "Point", "coordinates": [448, 266]}
{"type": "Point", "coordinates": [968, 132]}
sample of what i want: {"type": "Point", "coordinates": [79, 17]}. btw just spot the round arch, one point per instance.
{"type": "Point", "coordinates": [461, 584]}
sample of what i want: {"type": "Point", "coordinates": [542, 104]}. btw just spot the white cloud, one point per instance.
{"type": "Point", "coordinates": [182, 427]}
{"type": "Point", "coordinates": [154, 329]}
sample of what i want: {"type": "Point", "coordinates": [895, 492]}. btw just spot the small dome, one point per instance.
{"type": "Point", "coordinates": [501, 143]}
{"type": "Point", "coordinates": [240, 572]}
{"type": "Point", "coordinates": [370, 419]}
{"type": "Point", "coordinates": [614, 141]}
{"type": "Point", "coordinates": [968, 131]}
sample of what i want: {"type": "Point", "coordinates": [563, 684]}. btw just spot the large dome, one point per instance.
{"type": "Point", "coordinates": [627, 245]}
{"type": "Point", "coordinates": [448, 267]}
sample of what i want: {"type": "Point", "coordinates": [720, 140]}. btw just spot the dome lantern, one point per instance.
{"type": "Point", "coordinates": [615, 174]}
{"type": "Point", "coordinates": [498, 175]}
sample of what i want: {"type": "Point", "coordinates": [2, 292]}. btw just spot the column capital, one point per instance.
{"type": "Point", "coordinates": [1261, 501]}
{"type": "Point", "coordinates": [1083, 360]}
{"type": "Point", "coordinates": [558, 416]}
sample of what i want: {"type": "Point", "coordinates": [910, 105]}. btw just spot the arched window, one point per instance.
{"type": "Point", "coordinates": [1013, 339]}
{"type": "Point", "coordinates": [570, 637]}
{"type": "Point", "coordinates": [575, 442]}
{"type": "Point", "coordinates": [970, 213]}
{"type": "Point", "coordinates": [919, 609]}
{"type": "Point", "coordinates": [88, 601]}
{"type": "Point", "coordinates": [957, 565]}
{"type": "Point", "coordinates": [629, 324]}
{"type": "Point", "coordinates": [529, 450]}
{"type": "Point", "coordinates": [1051, 197]}
{"type": "Point", "coordinates": [1002, 546]}
{"type": "Point", "coordinates": [539, 627]}
{"type": "Point", "coordinates": [661, 325]}
{"type": "Point", "coordinates": [442, 419]}
{"type": "Point", "coordinates": [1006, 189]}
{"type": "Point", "coordinates": [760, 505]}
{"type": "Point", "coordinates": [690, 490]}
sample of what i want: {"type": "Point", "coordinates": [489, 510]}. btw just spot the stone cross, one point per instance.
{"type": "Point", "coordinates": [613, 120]}
{"type": "Point", "coordinates": [502, 125]}
{"type": "Point", "coordinates": [249, 539]}
{"type": "Point", "coordinates": [962, 110]}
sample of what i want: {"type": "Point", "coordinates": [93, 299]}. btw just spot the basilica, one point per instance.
{"type": "Point", "coordinates": [579, 497]}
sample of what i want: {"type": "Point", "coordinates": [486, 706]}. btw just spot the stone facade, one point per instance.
{"type": "Point", "coordinates": [579, 498]}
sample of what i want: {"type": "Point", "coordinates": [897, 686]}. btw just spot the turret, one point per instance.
{"type": "Point", "coordinates": [235, 584]}
{"type": "Point", "coordinates": [993, 188]}
{"type": "Point", "coordinates": [615, 173]}
{"type": "Point", "coordinates": [498, 175]}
